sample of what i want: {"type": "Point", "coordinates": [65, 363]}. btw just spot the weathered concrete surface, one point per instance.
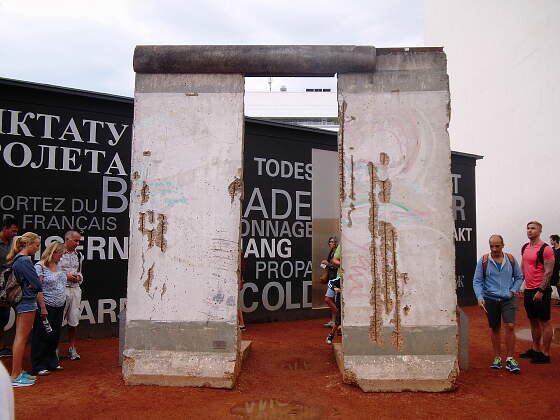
{"type": "Point", "coordinates": [254, 59]}
{"type": "Point", "coordinates": [181, 326]}
{"type": "Point", "coordinates": [397, 225]}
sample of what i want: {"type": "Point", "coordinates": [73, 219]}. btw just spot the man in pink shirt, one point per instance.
{"type": "Point", "coordinates": [537, 265]}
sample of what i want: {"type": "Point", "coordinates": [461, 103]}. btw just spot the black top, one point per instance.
{"type": "Point", "coordinates": [556, 270]}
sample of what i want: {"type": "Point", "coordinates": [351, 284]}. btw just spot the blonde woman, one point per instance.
{"type": "Point", "coordinates": [20, 258]}
{"type": "Point", "coordinates": [43, 343]}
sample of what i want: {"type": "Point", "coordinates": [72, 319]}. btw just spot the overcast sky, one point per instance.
{"type": "Point", "coordinates": [89, 44]}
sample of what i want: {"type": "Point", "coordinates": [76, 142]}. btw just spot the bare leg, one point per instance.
{"type": "Point", "coordinates": [546, 329]}
{"type": "Point", "coordinates": [72, 335]}
{"type": "Point", "coordinates": [24, 324]}
{"type": "Point", "coordinates": [330, 303]}
{"type": "Point", "coordinates": [496, 342]}
{"type": "Point", "coordinates": [536, 333]}
{"type": "Point", "coordinates": [241, 321]}
{"type": "Point", "coordinates": [510, 339]}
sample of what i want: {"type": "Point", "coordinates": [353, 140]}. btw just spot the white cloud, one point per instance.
{"type": "Point", "coordinates": [89, 44]}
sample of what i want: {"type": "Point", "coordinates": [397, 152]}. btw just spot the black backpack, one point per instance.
{"type": "Point", "coordinates": [540, 253]}
{"type": "Point", "coordinates": [10, 288]}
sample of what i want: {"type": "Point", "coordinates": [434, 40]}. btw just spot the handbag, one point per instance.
{"type": "Point", "coordinates": [324, 277]}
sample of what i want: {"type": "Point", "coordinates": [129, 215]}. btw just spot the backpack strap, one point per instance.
{"type": "Point", "coordinates": [540, 254]}
{"type": "Point", "coordinates": [511, 260]}
{"type": "Point", "coordinates": [484, 264]}
{"type": "Point", "coordinates": [524, 247]}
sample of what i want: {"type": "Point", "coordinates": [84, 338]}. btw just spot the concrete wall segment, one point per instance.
{"type": "Point", "coordinates": [188, 167]}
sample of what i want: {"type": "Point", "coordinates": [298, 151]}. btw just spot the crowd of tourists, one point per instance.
{"type": "Point", "coordinates": [50, 297]}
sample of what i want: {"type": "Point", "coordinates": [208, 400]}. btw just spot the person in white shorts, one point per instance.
{"type": "Point", "coordinates": [71, 263]}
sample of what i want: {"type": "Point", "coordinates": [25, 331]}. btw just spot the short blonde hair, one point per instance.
{"type": "Point", "coordinates": [534, 222]}
{"type": "Point", "coordinates": [47, 255]}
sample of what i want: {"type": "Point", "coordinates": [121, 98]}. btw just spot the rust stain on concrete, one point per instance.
{"type": "Point", "coordinates": [376, 326]}
{"type": "Point", "coordinates": [235, 187]}
{"type": "Point", "coordinates": [341, 115]}
{"type": "Point", "coordinates": [352, 193]}
{"type": "Point", "coordinates": [160, 231]}
{"type": "Point", "coordinates": [147, 153]}
{"type": "Point", "coordinates": [149, 279]}
{"type": "Point", "coordinates": [135, 176]}
{"type": "Point", "coordinates": [150, 214]}
{"type": "Point", "coordinates": [141, 222]}
{"type": "Point", "coordinates": [163, 290]}
{"type": "Point", "coordinates": [386, 286]}
{"type": "Point", "coordinates": [144, 193]}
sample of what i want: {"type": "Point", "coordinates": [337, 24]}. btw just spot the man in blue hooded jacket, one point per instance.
{"type": "Point", "coordinates": [497, 279]}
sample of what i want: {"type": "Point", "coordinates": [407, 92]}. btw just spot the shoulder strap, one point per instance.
{"type": "Point", "coordinates": [511, 260]}
{"type": "Point", "coordinates": [484, 264]}
{"type": "Point", "coordinates": [523, 248]}
{"type": "Point", "coordinates": [540, 254]}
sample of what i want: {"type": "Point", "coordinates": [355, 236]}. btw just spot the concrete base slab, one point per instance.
{"type": "Point", "coordinates": [178, 368]}
{"type": "Point", "coordinates": [396, 373]}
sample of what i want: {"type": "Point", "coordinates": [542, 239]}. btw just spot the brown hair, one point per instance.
{"type": "Point", "coordinates": [20, 243]}
{"type": "Point", "coordinates": [46, 256]}
{"type": "Point", "coordinates": [534, 222]}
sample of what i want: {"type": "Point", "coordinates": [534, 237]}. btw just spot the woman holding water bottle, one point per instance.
{"type": "Point", "coordinates": [46, 333]}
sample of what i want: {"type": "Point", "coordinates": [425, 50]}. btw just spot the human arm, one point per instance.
{"type": "Point", "coordinates": [41, 303]}
{"type": "Point", "coordinates": [478, 280]}
{"type": "Point", "coordinates": [548, 268]}
{"type": "Point", "coordinates": [517, 278]}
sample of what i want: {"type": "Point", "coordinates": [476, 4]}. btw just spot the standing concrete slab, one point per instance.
{"type": "Point", "coordinates": [181, 321]}
{"type": "Point", "coordinates": [399, 316]}
{"type": "Point", "coordinates": [400, 327]}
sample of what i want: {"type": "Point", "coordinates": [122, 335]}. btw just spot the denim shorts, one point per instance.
{"type": "Point", "coordinates": [26, 306]}
{"type": "Point", "coordinates": [330, 293]}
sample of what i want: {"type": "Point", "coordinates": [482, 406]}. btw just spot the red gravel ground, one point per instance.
{"type": "Point", "coordinates": [291, 374]}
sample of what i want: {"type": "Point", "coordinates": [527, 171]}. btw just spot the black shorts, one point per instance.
{"type": "Point", "coordinates": [500, 309]}
{"type": "Point", "coordinates": [537, 310]}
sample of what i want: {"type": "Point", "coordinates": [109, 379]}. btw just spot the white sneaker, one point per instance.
{"type": "Point", "coordinates": [73, 354]}
{"type": "Point", "coordinates": [329, 324]}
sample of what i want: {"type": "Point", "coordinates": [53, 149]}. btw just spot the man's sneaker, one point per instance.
{"type": "Point", "coordinates": [73, 354]}
{"type": "Point", "coordinates": [5, 352]}
{"type": "Point", "coordinates": [21, 380]}
{"type": "Point", "coordinates": [512, 365]}
{"type": "Point", "coordinates": [529, 354]}
{"type": "Point", "coordinates": [330, 338]}
{"type": "Point", "coordinates": [59, 367]}
{"type": "Point", "coordinates": [329, 324]}
{"type": "Point", "coordinates": [44, 372]}
{"type": "Point", "coordinates": [497, 363]}
{"type": "Point", "coordinates": [541, 359]}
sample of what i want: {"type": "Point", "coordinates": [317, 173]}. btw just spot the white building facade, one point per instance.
{"type": "Point", "coordinates": [503, 64]}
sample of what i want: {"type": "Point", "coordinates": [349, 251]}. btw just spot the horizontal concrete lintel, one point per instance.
{"type": "Point", "coordinates": [393, 81]}
{"type": "Point", "coordinates": [416, 341]}
{"type": "Point", "coordinates": [262, 60]}
{"type": "Point", "coordinates": [190, 84]}
{"type": "Point", "coordinates": [213, 337]}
